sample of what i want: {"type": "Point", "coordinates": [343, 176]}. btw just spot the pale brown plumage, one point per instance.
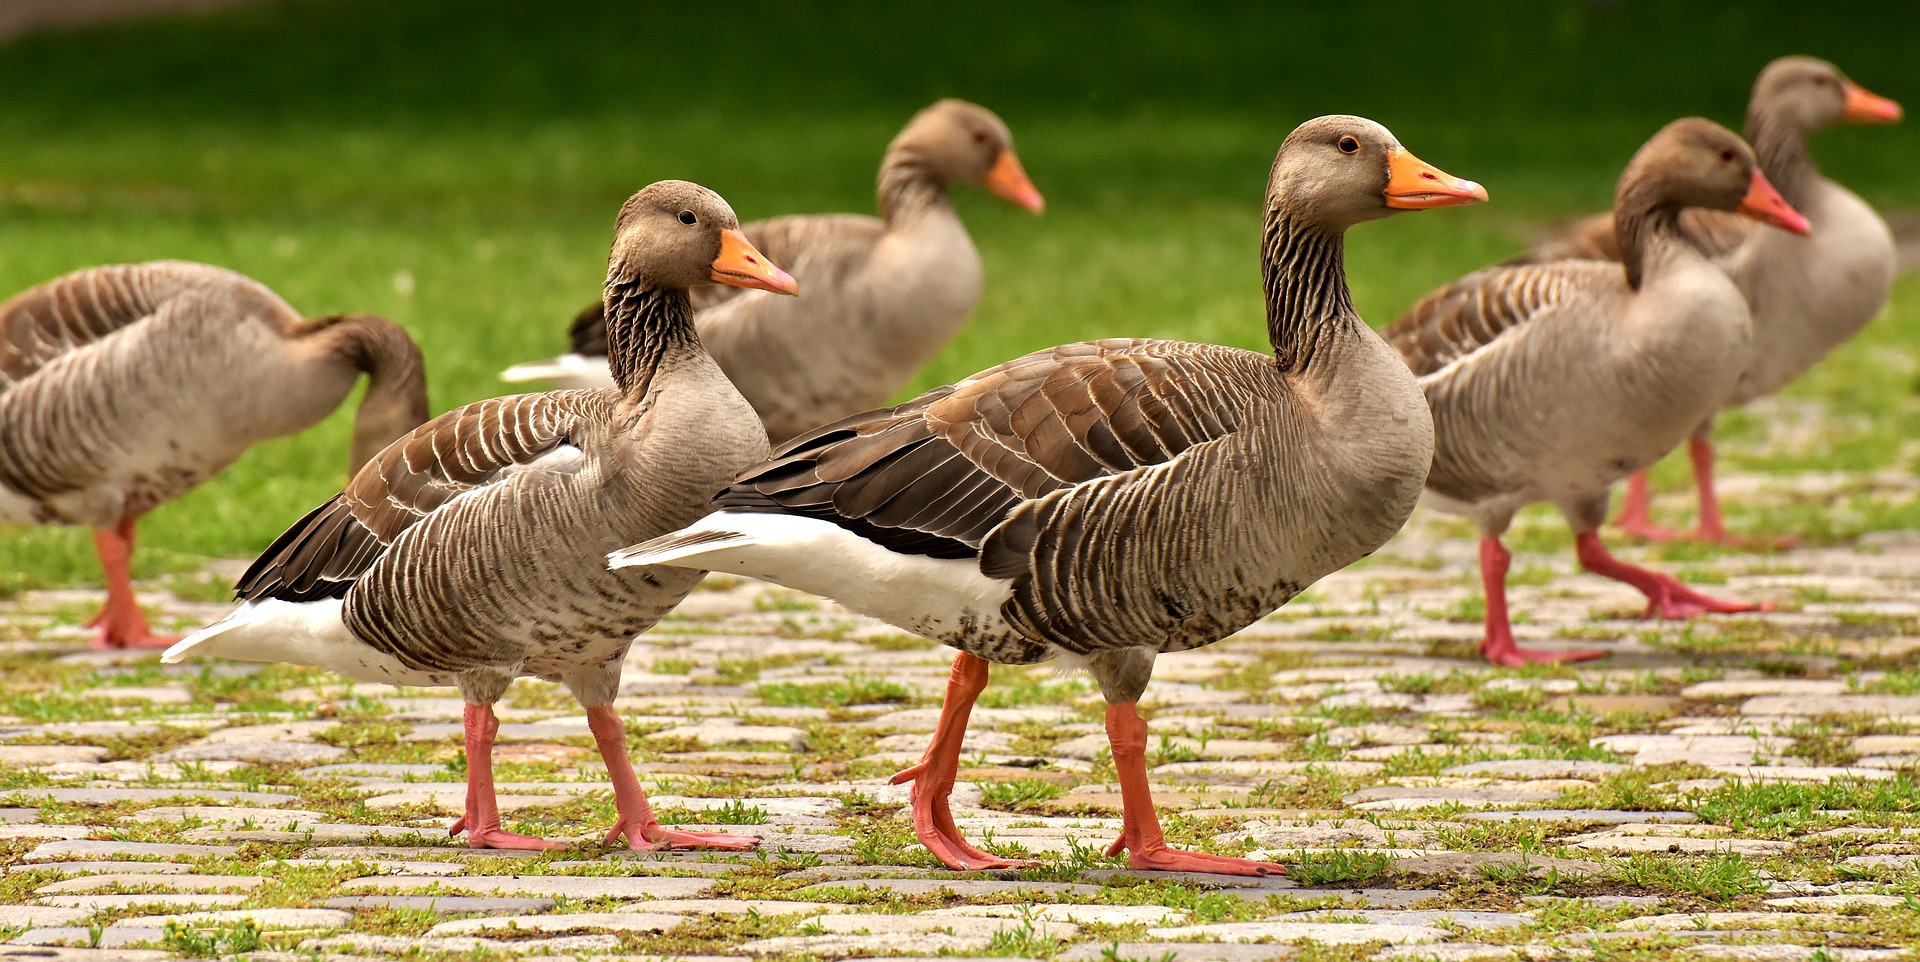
{"type": "Point", "coordinates": [123, 387]}
{"type": "Point", "coordinates": [1806, 295]}
{"type": "Point", "coordinates": [883, 294]}
{"type": "Point", "coordinates": [470, 551]}
{"type": "Point", "coordinates": [1110, 500]}
{"type": "Point", "coordinates": [1549, 382]}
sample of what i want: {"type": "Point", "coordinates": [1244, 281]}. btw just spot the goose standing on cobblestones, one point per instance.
{"type": "Point", "coordinates": [1807, 295]}
{"type": "Point", "coordinates": [1549, 382]}
{"type": "Point", "coordinates": [472, 551]}
{"type": "Point", "coordinates": [883, 295]}
{"type": "Point", "coordinates": [1107, 501]}
{"type": "Point", "coordinates": [124, 387]}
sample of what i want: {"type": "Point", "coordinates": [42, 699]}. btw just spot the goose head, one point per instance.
{"type": "Point", "coordinates": [1340, 170]}
{"type": "Point", "coordinates": [1809, 94]}
{"type": "Point", "coordinates": [675, 234]}
{"type": "Point", "coordinates": [1694, 162]}
{"type": "Point", "coordinates": [965, 143]}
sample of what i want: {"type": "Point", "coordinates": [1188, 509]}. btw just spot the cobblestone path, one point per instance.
{"type": "Point", "coordinates": [1738, 787]}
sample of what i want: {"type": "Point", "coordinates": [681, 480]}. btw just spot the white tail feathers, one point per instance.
{"type": "Point", "coordinates": [673, 549]}
{"type": "Point", "coordinates": [308, 633]}
{"type": "Point", "coordinates": [199, 643]}
{"type": "Point", "coordinates": [567, 370]}
{"type": "Point", "coordinates": [930, 596]}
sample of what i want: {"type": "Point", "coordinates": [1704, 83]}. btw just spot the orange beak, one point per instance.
{"type": "Point", "coordinates": [1009, 180]}
{"type": "Point", "coordinates": [741, 265]}
{"type": "Point", "coordinates": [1765, 205]}
{"type": "Point", "coordinates": [1868, 108]}
{"type": "Point", "coordinates": [1414, 184]}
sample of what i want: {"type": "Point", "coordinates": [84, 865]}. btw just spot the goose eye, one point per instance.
{"type": "Point", "coordinates": [1727, 155]}
{"type": "Point", "coordinates": [980, 137]}
{"type": "Point", "coordinates": [686, 217]}
{"type": "Point", "coordinates": [1349, 145]}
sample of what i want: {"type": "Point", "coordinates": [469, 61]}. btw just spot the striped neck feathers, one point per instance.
{"type": "Point", "coordinates": [644, 326]}
{"type": "Point", "coordinates": [1781, 147]}
{"type": "Point", "coordinates": [1303, 268]}
{"type": "Point", "coordinates": [909, 186]}
{"type": "Point", "coordinates": [1647, 227]}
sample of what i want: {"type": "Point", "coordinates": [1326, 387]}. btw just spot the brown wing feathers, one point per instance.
{"type": "Point", "coordinates": [938, 474]}
{"type": "Point", "coordinates": [318, 557]}
{"type": "Point", "coordinates": [322, 555]}
{"type": "Point", "coordinates": [587, 335]}
{"type": "Point", "coordinates": [1471, 313]}
{"type": "Point", "coordinates": [42, 323]}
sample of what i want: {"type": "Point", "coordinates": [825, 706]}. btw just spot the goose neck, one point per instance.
{"type": "Point", "coordinates": [1781, 147]}
{"type": "Point", "coordinates": [1648, 231]}
{"type": "Point", "coordinates": [646, 327]}
{"type": "Point", "coordinates": [1304, 275]}
{"type": "Point", "coordinates": [909, 187]}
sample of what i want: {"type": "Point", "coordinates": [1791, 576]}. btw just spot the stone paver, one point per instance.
{"type": "Point", "coordinates": [1429, 807]}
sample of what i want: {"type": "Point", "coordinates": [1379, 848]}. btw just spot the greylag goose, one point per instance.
{"type": "Point", "coordinates": [1807, 295]}
{"type": "Point", "coordinates": [883, 295]}
{"type": "Point", "coordinates": [123, 387]}
{"type": "Point", "coordinates": [471, 552]}
{"type": "Point", "coordinates": [1106, 501]}
{"type": "Point", "coordinates": [1549, 382]}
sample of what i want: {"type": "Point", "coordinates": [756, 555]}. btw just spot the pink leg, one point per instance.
{"type": "Point", "coordinates": [933, 778]}
{"type": "Point", "coordinates": [1666, 596]}
{"type": "Point", "coordinates": [1499, 647]}
{"type": "Point", "coordinates": [1712, 527]}
{"type": "Point", "coordinates": [1140, 835]}
{"type": "Point", "coordinates": [482, 821]}
{"type": "Point", "coordinates": [121, 622]}
{"type": "Point", "coordinates": [636, 821]}
{"type": "Point", "coordinates": [1636, 513]}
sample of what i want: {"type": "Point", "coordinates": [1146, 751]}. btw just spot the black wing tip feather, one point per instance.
{"type": "Point", "coordinates": [271, 576]}
{"type": "Point", "coordinates": [587, 335]}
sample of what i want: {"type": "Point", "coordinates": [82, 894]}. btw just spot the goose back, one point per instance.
{"type": "Point", "coordinates": [122, 387]}
{"type": "Point", "coordinates": [884, 295]}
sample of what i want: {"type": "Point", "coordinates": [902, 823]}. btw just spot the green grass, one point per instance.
{"type": "Point", "coordinates": [456, 166]}
{"type": "Point", "coordinates": [854, 690]}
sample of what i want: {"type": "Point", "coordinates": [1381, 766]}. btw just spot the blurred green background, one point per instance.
{"type": "Point", "coordinates": [456, 164]}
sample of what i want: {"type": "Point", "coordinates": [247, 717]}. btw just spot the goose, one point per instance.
{"type": "Point", "coordinates": [1549, 382]}
{"type": "Point", "coordinates": [1106, 501]}
{"type": "Point", "coordinates": [470, 552]}
{"type": "Point", "coordinates": [883, 295]}
{"type": "Point", "coordinates": [1807, 295]}
{"type": "Point", "coordinates": [123, 387]}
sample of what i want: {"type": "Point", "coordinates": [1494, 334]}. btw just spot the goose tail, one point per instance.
{"type": "Point", "coordinates": [567, 370]}
{"type": "Point", "coordinates": [685, 548]}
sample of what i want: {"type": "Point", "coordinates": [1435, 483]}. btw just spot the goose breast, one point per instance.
{"type": "Point", "coordinates": [1549, 382]}
{"type": "Point", "coordinates": [1810, 294]}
